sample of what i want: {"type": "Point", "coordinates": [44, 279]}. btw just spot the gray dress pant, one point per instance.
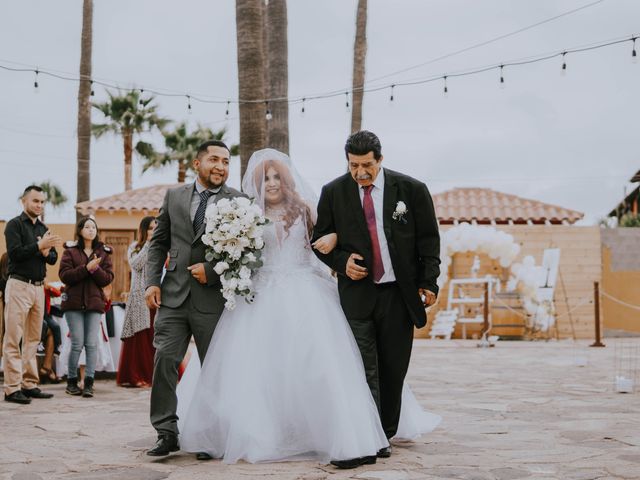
{"type": "Point", "coordinates": [173, 328]}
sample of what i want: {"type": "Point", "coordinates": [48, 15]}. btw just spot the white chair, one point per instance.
{"type": "Point", "coordinates": [444, 324]}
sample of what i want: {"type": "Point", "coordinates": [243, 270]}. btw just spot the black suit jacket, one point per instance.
{"type": "Point", "coordinates": [414, 244]}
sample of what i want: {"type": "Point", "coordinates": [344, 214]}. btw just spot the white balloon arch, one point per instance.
{"type": "Point", "coordinates": [499, 246]}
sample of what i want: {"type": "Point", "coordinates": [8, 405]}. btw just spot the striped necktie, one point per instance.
{"type": "Point", "coordinates": [198, 218]}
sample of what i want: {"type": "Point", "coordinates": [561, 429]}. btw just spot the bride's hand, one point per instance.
{"type": "Point", "coordinates": [326, 243]}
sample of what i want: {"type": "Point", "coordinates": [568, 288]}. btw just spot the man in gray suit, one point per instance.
{"type": "Point", "coordinates": [188, 299]}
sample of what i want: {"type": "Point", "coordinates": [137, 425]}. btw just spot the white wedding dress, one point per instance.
{"type": "Point", "coordinates": [283, 378]}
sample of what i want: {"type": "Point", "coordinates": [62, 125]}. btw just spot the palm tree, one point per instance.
{"type": "Point", "coordinates": [182, 147]}
{"type": "Point", "coordinates": [277, 78]}
{"type": "Point", "coordinates": [129, 114]}
{"type": "Point", "coordinates": [251, 78]}
{"type": "Point", "coordinates": [83, 191]}
{"type": "Point", "coordinates": [359, 58]}
{"type": "Point", "coordinates": [53, 193]}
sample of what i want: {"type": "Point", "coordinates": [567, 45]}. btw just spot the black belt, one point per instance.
{"type": "Point", "coordinates": [37, 283]}
{"type": "Point", "coordinates": [386, 284]}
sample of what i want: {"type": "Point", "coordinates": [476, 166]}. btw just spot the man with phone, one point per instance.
{"type": "Point", "coordinates": [387, 258]}
{"type": "Point", "coordinates": [30, 246]}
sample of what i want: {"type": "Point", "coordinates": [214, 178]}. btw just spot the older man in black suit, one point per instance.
{"type": "Point", "coordinates": [387, 259]}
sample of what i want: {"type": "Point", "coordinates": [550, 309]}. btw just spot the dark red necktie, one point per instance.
{"type": "Point", "coordinates": [377, 269]}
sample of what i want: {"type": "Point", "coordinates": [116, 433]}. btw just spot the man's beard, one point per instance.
{"type": "Point", "coordinates": [212, 184]}
{"type": "Point", "coordinates": [33, 214]}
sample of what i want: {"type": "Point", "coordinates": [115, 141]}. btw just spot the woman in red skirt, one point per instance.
{"type": "Point", "coordinates": [135, 367]}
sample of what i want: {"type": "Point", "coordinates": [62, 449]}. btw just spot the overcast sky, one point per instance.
{"type": "Point", "coordinates": [568, 140]}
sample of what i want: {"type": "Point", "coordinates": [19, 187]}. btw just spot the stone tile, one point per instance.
{"type": "Point", "coordinates": [520, 410]}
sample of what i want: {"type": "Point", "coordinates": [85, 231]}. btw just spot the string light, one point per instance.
{"type": "Point", "coordinates": [189, 104]}
{"type": "Point", "coordinates": [502, 85]}
{"type": "Point", "coordinates": [91, 86]}
{"type": "Point", "coordinates": [268, 115]}
{"type": "Point", "coordinates": [226, 113]}
{"type": "Point", "coordinates": [423, 81]}
{"type": "Point", "coordinates": [564, 64]}
{"type": "Point", "coordinates": [302, 109]}
{"type": "Point", "coordinates": [391, 97]}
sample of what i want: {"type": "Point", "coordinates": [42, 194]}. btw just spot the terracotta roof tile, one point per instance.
{"type": "Point", "coordinates": [462, 204]}
{"type": "Point", "coordinates": [141, 199]}
{"type": "Point", "coordinates": [485, 205]}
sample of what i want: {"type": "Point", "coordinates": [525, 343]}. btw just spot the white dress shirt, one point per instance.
{"type": "Point", "coordinates": [195, 197]}
{"type": "Point", "coordinates": [377, 195]}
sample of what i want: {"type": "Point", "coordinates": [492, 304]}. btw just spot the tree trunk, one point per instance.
{"type": "Point", "coordinates": [83, 190]}
{"type": "Point", "coordinates": [277, 85]}
{"type": "Point", "coordinates": [128, 152]}
{"type": "Point", "coordinates": [359, 58]}
{"type": "Point", "coordinates": [182, 170]}
{"type": "Point", "coordinates": [250, 78]}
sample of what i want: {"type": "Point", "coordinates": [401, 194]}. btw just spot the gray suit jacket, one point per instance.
{"type": "Point", "coordinates": [174, 235]}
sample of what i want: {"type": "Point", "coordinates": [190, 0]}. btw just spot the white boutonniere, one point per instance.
{"type": "Point", "coordinates": [401, 211]}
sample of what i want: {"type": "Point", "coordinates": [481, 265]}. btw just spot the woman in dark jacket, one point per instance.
{"type": "Point", "coordinates": [85, 269]}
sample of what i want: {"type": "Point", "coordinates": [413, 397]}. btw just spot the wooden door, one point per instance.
{"type": "Point", "coordinates": [119, 240]}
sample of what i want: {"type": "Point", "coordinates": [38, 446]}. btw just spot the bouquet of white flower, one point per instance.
{"type": "Point", "coordinates": [233, 236]}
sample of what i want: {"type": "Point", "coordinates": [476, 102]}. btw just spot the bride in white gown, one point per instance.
{"type": "Point", "coordinates": [283, 378]}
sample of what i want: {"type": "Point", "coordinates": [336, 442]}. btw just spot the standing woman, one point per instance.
{"type": "Point", "coordinates": [85, 269]}
{"type": "Point", "coordinates": [135, 367]}
{"type": "Point", "coordinates": [4, 276]}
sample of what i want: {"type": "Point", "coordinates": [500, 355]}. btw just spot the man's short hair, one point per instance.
{"type": "Point", "coordinates": [363, 142]}
{"type": "Point", "coordinates": [32, 187]}
{"type": "Point", "coordinates": [210, 143]}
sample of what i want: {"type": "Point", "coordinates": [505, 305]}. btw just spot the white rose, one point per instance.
{"type": "Point", "coordinates": [243, 202]}
{"type": "Point", "coordinates": [250, 256]}
{"type": "Point", "coordinates": [244, 273]}
{"type": "Point", "coordinates": [221, 267]}
{"type": "Point", "coordinates": [401, 207]}
{"type": "Point", "coordinates": [244, 284]}
{"type": "Point", "coordinates": [259, 243]}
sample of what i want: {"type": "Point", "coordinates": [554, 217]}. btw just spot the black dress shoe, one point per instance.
{"type": "Point", "coordinates": [17, 397]}
{"type": "Point", "coordinates": [384, 452]}
{"type": "Point", "coordinates": [166, 444]}
{"type": "Point", "coordinates": [354, 462]}
{"type": "Point", "coordinates": [36, 393]}
{"type": "Point", "coordinates": [203, 456]}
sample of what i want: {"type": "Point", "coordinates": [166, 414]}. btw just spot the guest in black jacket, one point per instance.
{"type": "Point", "coordinates": [30, 246]}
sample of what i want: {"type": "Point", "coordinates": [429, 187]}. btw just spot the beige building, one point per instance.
{"type": "Point", "coordinates": [534, 225]}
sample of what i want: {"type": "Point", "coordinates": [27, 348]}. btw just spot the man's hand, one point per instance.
{"type": "Point", "coordinates": [198, 272]}
{"type": "Point", "coordinates": [152, 297]}
{"type": "Point", "coordinates": [427, 296]}
{"type": "Point", "coordinates": [353, 270]}
{"type": "Point", "coordinates": [92, 265]}
{"type": "Point", "coordinates": [326, 243]}
{"type": "Point", "coordinates": [47, 241]}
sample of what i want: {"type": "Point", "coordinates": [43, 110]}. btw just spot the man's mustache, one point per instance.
{"type": "Point", "coordinates": [366, 176]}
